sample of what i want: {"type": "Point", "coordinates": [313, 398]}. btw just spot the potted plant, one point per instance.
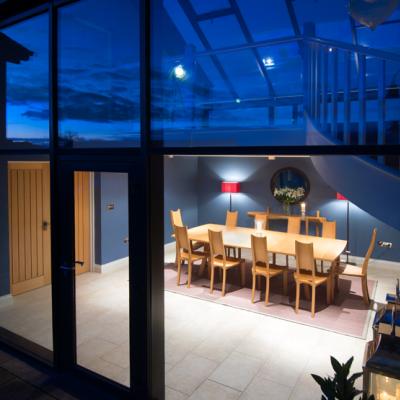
{"type": "Point", "coordinates": [288, 196]}
{"type": "Point", "coordinates": [341, 385]}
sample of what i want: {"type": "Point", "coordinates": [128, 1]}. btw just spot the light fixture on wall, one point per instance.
{"type": "Point", "coordinates": [341, 197]}
{"type": "Point", "coordinates": [230, 187]}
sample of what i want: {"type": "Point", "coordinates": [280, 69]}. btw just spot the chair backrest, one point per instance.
{"type": "Point", "coordinates": [231, 219]}
{"type": "Point", "coordinates": [182, 239]}
{"type": "Point", "coordinates": [305, 257]}
{"type": "Point", "coordinates": [217, 248]}
{"type": "Point", "coordinates": [369, 251]}
{"type": "Point", "coordinates": [259, 252]}
{"type": "Point", "coordinates": [264, 220]}
{"type": "Point", "coordinates": [329, 229]}
{"type": "Point", "coordinates": [294, 224]}
{"type": "Point", "coordinates": [176, 217]}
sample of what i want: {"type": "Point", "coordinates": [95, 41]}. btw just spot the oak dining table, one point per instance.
{"type": "Point", "coordinates": [325, 249]}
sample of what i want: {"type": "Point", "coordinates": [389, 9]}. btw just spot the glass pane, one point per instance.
{"type": "Point", "coordinates": [266, 19]}
{"type": "Point", "coordinates": [331, 18]}
{"type": "Point", "coordinates": [25, 262]}
{"type": "Point", "coordinates": [99, 74]}
{"type": "Point", "coordinates": [204, 95]}
{"type": "Point", "coordinates": [102, 273]}
{"type": "Point", "coordinates": [24, 83]}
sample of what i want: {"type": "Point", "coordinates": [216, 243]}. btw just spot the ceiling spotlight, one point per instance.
{"type": "Point", "coordinates": [237, 101]}
{"type": "Point", "coordinates": [268, 61]}
{"type": "Point", "coordinates": [330, 49]}
{"type": "Point", "coordinates": [180, 72]}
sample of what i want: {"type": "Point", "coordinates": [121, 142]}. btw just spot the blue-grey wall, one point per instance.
{"type": "Point", "coordinates": [180, 191]}
{"type": "Point", "coordinates": [111, 226]}
{"type": "Point", "coordinates": [255, 175]}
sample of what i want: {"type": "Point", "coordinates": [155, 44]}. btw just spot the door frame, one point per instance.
{"type": "Point", "coordinates": [145, 177]}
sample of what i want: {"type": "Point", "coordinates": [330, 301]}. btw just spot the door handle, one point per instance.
{"type": "Point", "coordinates": [81, 263]}
{"type": "Point", "coordinates": [45, 225]}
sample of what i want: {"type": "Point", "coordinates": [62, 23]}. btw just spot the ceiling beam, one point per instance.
{"type": "Point", "coordinates": [192, 17]}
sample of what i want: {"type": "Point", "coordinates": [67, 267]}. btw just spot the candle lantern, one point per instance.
{"type": "Point", "coordinates": [382, 370]}
{"type": "Point", "coordinates": [303, 209]}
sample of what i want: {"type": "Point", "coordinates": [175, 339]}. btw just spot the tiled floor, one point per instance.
{"type": "Point", "coordinates": [213, 351]}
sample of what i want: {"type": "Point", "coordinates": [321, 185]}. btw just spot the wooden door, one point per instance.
{"type": "Point", "coordinates": [29, 225]}
{"type": "Point", "coordinates": [83, 222]}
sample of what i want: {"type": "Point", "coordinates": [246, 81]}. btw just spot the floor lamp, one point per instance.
{"type": "Point", "coordinates": [341, 197]}
{"type": "Point", "coordinates": [230, 187]}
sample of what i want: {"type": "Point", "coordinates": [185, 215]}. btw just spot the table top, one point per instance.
{"type": "Point", "coordinates": [277, 242]}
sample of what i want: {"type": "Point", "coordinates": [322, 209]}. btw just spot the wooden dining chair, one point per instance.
{"type": "Point", "coordinates": [186, 254]}
{"type": "Point", "coordinates": [262, 267]}
{"type": "Point", "coordinates": [306, 274]}
{"type": "Point", "coordinates": [219, 259]}
{"type": "Point", "coordinates": [264, 220]}
{"type": "Point", "coordinates": [361, 272]}
{"type": "Point", "coordinates": [231, 222]}
{"type": "Point", "coordinates": [293, 226]}
{"type": "Point", "coordinates": [329, 232]}
{"type": "Point", "coordinates": [329, 229]}
{"type": "Point", "coordinates": [176, 220]}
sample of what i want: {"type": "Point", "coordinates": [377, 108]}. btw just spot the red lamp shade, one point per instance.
{"type": "Point", "coordinates": [340, 197]}
{"type": "Point", "coordinates": [230, 187]}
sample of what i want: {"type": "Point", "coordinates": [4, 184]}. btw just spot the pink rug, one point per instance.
{"type": "Point", "coordinates": [347, 315]}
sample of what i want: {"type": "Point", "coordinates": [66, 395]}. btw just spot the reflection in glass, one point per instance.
{"type": "Point", "coordinates": [25, 120]}
{"type": "Point", "coordinates": [232, 92]}
{"type": "Point", "coordinates": [99, 99]}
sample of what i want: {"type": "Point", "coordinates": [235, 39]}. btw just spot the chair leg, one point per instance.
{"type": "Point", "coordinates": [178, 278]}
{"type": "Point", "coordinates": [274, 258]}
{"type": "Point", "coordinates": [297, 296]}
{"type": "Point", "coordinates": [328, 290]}
{"type": "Point", "coordinates": [223, 281]}
{"type": "Point", "coordinates": [266, 290]}
{"type": "Point", "coordinates": [365, 290]}
{"type": "Point", "coordinates": [285, 282]}
{"type": "Point", "coordinates": [253, 288]}
{"type": "Point", "coordinates": [258, 282]}
{"type": "Point", "coordinates": [287, 261]}
{"type": "Point", "coordinates": [190, 266]}
{"type": "Point", "coordinates": [242, 274]}
{"type": "Point", "coordinates": [202, 266]}
{"type": "Point", "coordinates": [212, 279]}
{"type": "Point", "coordinates": [313, 301]}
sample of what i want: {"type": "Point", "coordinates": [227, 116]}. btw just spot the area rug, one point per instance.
{"type": "Point", "coordinates": [347, 315]}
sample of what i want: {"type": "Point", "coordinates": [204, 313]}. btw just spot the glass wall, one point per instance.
{"type": "Point", "coordinates": [25, 262]}
{"type": "Point", "coordinates": [99, 79]}
{"type": "Point", "coordinates": [24, 84]}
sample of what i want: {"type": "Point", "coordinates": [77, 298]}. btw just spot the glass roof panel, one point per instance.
{"type": "Point", "coordinates": [286, 67]}
{"type": "Point", "coordinates": [182, 23]}
{"type": "Point", "coordinates": [330, 17]}
{"type": "Point", "coordinates": [266, 19]}
{"type": "Point", "coordinates": [242, 70]}
{"type": "Point", "coordinates": [223, 31]}
{"type": "Point", "coordinates": [205, 6]}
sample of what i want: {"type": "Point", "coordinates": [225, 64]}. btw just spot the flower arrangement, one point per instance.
{"type": "Point", "coordinates": [287, 195]}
